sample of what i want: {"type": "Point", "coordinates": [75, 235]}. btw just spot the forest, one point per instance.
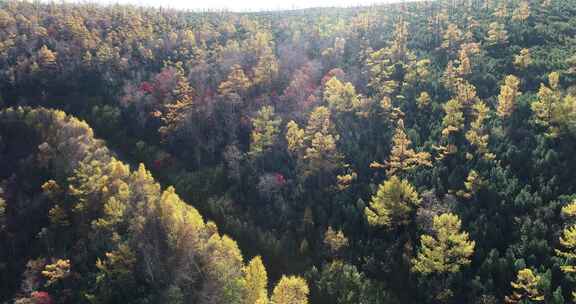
{"type": "Point", "coordinates": [413, 152]}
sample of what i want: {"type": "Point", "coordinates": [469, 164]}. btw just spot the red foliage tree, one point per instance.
{"type": "Point", "coordinates": [42, 297]}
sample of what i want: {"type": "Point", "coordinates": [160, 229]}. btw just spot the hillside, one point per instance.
{"type": "Point", "coordinates": [417, 152]}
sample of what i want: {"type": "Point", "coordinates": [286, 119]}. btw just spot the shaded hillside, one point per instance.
{"type": "Point", "coordinates": [415, 152]}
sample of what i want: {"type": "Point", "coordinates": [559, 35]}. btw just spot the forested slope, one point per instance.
{"type": "Point", "coordinates": [408, 153]}
{"type": "Point", "coordinates": [80, 226]}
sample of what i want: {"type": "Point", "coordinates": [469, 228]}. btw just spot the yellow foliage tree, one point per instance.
{"type": "Point", "coordinates": [568, 240]}
{"type": "Point", "coordinates": [290, 290]}
{"type": "Point", "coordinates": [315, 146]}
{"type": "Point", "coordinates": [423, 100]}
{"type": "Point", "coordinates": [453, 120]}
{"type": "Point", "coordinates": [399, 47]}
{"type": "Point", "coordinates": [523, 60]}
{"type": "Point", "coordinates": [266, 69]}
{"type": "Point", "coordinates": [341, 97]}
{"type": "Point", "coordinates": [58, 216]}
{"type": "Point", "coordinates": [46, 57]}
{"type": "Point", "coordinates": [472, 184]}
{"type": "Point", "coordinates": [552, 110]}
{"type": "Point", "coordinates": [525, 288]}
{"type": "Point", "coordinates": [294, 137]}
{"type": "Point", "coordinates": [522, 12]}
{"type": "Point", "coordinates": [507, 98]}
{"type": "Point", "coordinates": [393, 203]}
{"type": "Point", "coordinates": [497, 34]}
{"type": "Point", "coordinates": [402, 157]}
{"type": "Point", "coordinates": [235, 85]}
{"type": "Point", "coordinates": [265, 129]}
{"type": "Point", "coordinates": [476, 135]}
{"type": "Point", "coordinates": [447, 250]}
{"type": "Point", "coordinates": [56, 272]}
{"type": "Point", "coordinates": [176, 110]}
{"type": "Point", "coordinates": [452, 37]}
{"type": "Point", "coordinates": [256, 282]}
{"type": "Point", "coordinates": [335, 240]}
{"type": "Point", "coordinates": [502, 10]}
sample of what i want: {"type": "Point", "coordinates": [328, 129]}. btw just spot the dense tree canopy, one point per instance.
{"type": "Point", "coordinates": [415, 152]}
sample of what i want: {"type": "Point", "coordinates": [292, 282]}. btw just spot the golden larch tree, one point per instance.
{"type": "Point", "coordinates": [393, 204]}
{"type": "Point", "coordinates": [256, 282]}
{"type": "Point", "coordinates": [402, 157]}
{"type": "Point", "coordinates": [290, 290]}
{"type": "Point", "coordinates": [507, 98]}
{"type": "Point", "coordinates": [525, 288]}
{"type": "Point", "coordinates": [446, 250]}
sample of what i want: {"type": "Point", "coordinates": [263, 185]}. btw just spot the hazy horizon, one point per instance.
{"type": "Point", "coordinates": [249, 5]}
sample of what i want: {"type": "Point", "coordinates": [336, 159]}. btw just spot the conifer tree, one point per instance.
{"type": "Point", "coordinates": [46, 58]}
{"type": "Point", "coordinates": [402, 157]}
{"type": "Point", "coordinates": [319, 121]}
{"type": "Point", "coordinates": [552, 110]}
{"type": "Point", "coordinates": [393, 204]}
{"type": "Point", "coordinates": [522, 12]}
{"type": "Point", "coordinates": [265, 129]}
{"type": "Point", "coordinates": [447, 250]}
{"type": "Point", "coordinates": [322, 154]}
{"type": "Point", "coordinates": [568, 240]}
{"type": "Point", "coordinates": [341, 97]}
{"type": "Point", "coordinates": [315, 147]}
{"type": "Point", "coordinates": [179, 106]}
{"type": "Point", "coordinates": [57, 271]}
{"type": "Point", "coordinates": [472, 184]}
{"type": "Point", "coordinates": [294, 137]}
{"type": "Point", "coordinates": [546, 106]}
{"type": "Point", "coordinates": [116, 270]}
{"type": "Point", "coordinates": [58, 216]}
{"type": "Point", "coordinates": [450, 78]}
{"type": "Point", "coordinates": [476, 135]}
{"type": "Point", "coordinates": [523, 60]}
{"type": "Point", "coordinates": [423, 100]}
{"type": "Point", "coordinates": [381, 68]}
{"type": "Point", "coordinates": [453, 120]}
{"type": "Point", "coordinates": [507, 98]}
{"type": "Point", "coordinates": [266, 70]}
{"type": "Point", "coordinates": [502, 10]}
{"type": "Point", "coordinates": [464, 67]}
{"type": "Point", "coordinates": [497, 34]}
{"type": "Point", "coordinates": [525, 288]}
{"type": "Point", "coordinates": [452, 36]}
{"type": "Point", "coordinates": [235, 86]}
{"type": "Point", "coordinates": [399, 47]}
{"type": "Point", "coordinates": [256, 282]}
{"type": "Point", "coordinates": [335, 240]}
{"type": "Point", "coordinates": [290, 290]}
